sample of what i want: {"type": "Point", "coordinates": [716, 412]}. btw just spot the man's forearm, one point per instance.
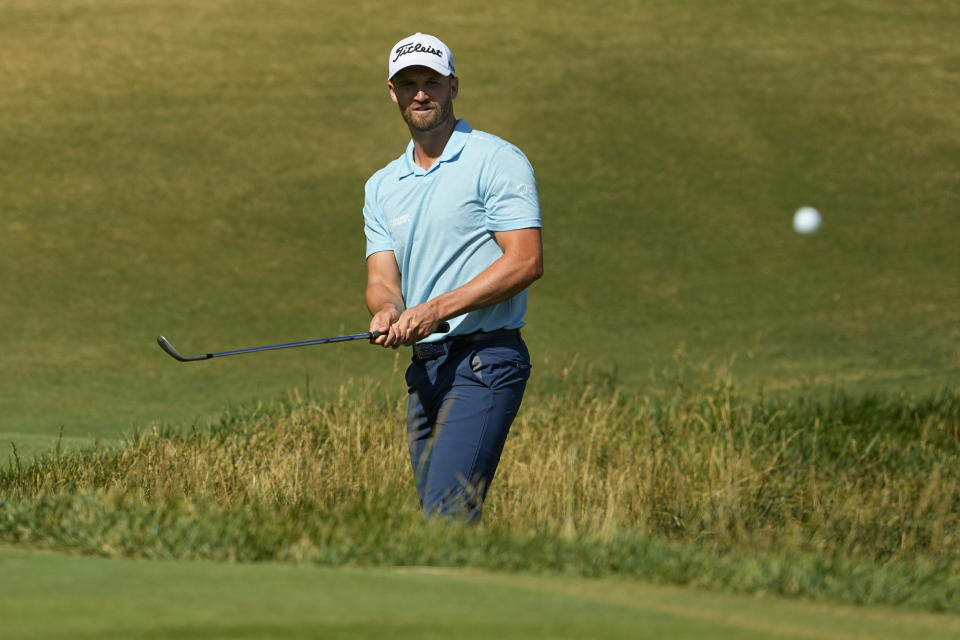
{"type": "Point", "coordinates": [383, 298]}
{"type": "Point", "coordinates": [384, 291]}
{"type": "Point", "coordinates": [520, 264]}
{"type": "Point", "coordinates": [501, 281]}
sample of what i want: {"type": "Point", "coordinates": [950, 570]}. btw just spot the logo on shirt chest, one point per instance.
{"type": "Point", "coordinates": [393, 223]}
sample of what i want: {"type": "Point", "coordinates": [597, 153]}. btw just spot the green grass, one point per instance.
{"type": "Point", "coordinates": [27, 446]}
{"type": "Point", "coordinates": [854, 499]}
{"type": "Point", "coordinates": [50, 596]}
{"type": "Point", "coordinates": [196, 169]}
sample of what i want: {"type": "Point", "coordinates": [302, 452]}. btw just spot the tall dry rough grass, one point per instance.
{"type": "Point", "coordinates": [870, 476]}
{"type": "Point", "coordinates": [688, 486]}
{"type": "Point", "coordinates": [331, 455]}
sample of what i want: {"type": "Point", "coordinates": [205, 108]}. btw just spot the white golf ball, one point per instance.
{"type": "Point", "coordinates": [806, 220]}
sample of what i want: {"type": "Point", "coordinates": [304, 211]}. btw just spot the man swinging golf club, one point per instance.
{"type": "Point", "coordinates": [453, 234]}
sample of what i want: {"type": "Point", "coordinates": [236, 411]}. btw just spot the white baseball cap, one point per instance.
{"type": "Point", "coordinates": [421, 50]}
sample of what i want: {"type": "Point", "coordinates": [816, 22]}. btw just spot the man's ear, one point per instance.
{"type": "Point", "coordinates": [454, 86]}
{"type": "Point", "coordinates": [393, 95]}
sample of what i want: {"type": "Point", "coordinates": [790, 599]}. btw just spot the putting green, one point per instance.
{"type": "Point", "coordinates": [50, 596]}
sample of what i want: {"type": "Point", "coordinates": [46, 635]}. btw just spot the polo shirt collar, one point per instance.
{"type": "Point", "coordinates": [450, 152]}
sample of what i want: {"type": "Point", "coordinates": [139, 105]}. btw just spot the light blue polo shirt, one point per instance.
{"type": "Point", "coordinates": [439, 223]}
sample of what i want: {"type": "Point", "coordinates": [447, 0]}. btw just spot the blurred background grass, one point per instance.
{"type": "Point", "coordinates": [196, 169]}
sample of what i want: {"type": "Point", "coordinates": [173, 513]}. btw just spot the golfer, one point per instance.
{"type": "Point", "coordinates": [453, 233]}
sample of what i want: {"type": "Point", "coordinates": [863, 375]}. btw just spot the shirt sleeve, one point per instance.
{"type": "Point", "coordinates": [510, 192]}
{"type": "Point", "coordinates": [374, 223]}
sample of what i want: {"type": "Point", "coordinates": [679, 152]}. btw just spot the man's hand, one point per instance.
{"type": "Point", "coordinates": [381, 323]}
{"type": "Point", "coordinates": [414, 324]}
{"type": "Point", "coordinates": [404, 329]}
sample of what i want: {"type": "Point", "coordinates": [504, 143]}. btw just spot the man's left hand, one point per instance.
{"type": "Point", "coordinates": [415, 324]}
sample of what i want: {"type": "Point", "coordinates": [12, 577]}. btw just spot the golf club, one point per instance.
{"type": "Point", "coordinates": [443, 327]}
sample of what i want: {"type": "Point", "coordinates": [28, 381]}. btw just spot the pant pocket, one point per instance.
{"type": "Point", "coordinates": [499, 367]}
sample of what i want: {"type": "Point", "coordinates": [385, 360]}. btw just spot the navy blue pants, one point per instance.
{"type": "Point", "coordinates": [461, 406]}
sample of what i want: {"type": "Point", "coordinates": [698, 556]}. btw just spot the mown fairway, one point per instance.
{"type": "Point", "coordinates": [54, 597]}
{"type": "Point", "coordinates": [195, 168]}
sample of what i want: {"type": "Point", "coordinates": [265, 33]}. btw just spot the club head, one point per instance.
{"type": "Point", "coordinates": [169, 348]}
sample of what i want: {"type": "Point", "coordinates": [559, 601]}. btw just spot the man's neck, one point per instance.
{"type": "Point", "coordinates": [428, 146]}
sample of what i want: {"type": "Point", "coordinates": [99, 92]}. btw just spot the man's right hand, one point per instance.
{"type": "Point", "coordinates": [381, 323]}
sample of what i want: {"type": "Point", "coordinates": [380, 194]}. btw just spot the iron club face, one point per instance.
{"type": "Point", "coordinates": [169, 348]}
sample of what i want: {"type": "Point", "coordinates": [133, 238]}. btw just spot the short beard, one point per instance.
{"type": "Point", "coordinates": [437, 118]}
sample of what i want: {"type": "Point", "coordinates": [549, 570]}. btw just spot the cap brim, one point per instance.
{"type": "Point", "coordinates": [442, 69]}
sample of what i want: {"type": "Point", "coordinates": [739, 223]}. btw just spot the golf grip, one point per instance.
{"type": "Point", "coordinates": [443, 327]}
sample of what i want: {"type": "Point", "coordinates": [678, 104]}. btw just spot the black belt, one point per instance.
{"type": "Point", "coordinates": [431, 350]}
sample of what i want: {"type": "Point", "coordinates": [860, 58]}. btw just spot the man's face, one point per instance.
{"type": "Point", "coordinates": [424, 96]}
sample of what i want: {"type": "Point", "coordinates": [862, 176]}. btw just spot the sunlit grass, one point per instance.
{"type": "Point", "coordinates": [854, 498]}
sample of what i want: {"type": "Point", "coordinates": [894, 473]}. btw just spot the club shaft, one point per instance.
{"type": "Point", "coordinates": [443, 327]}
{"type": "Point", "coordinates": [301, 343]}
